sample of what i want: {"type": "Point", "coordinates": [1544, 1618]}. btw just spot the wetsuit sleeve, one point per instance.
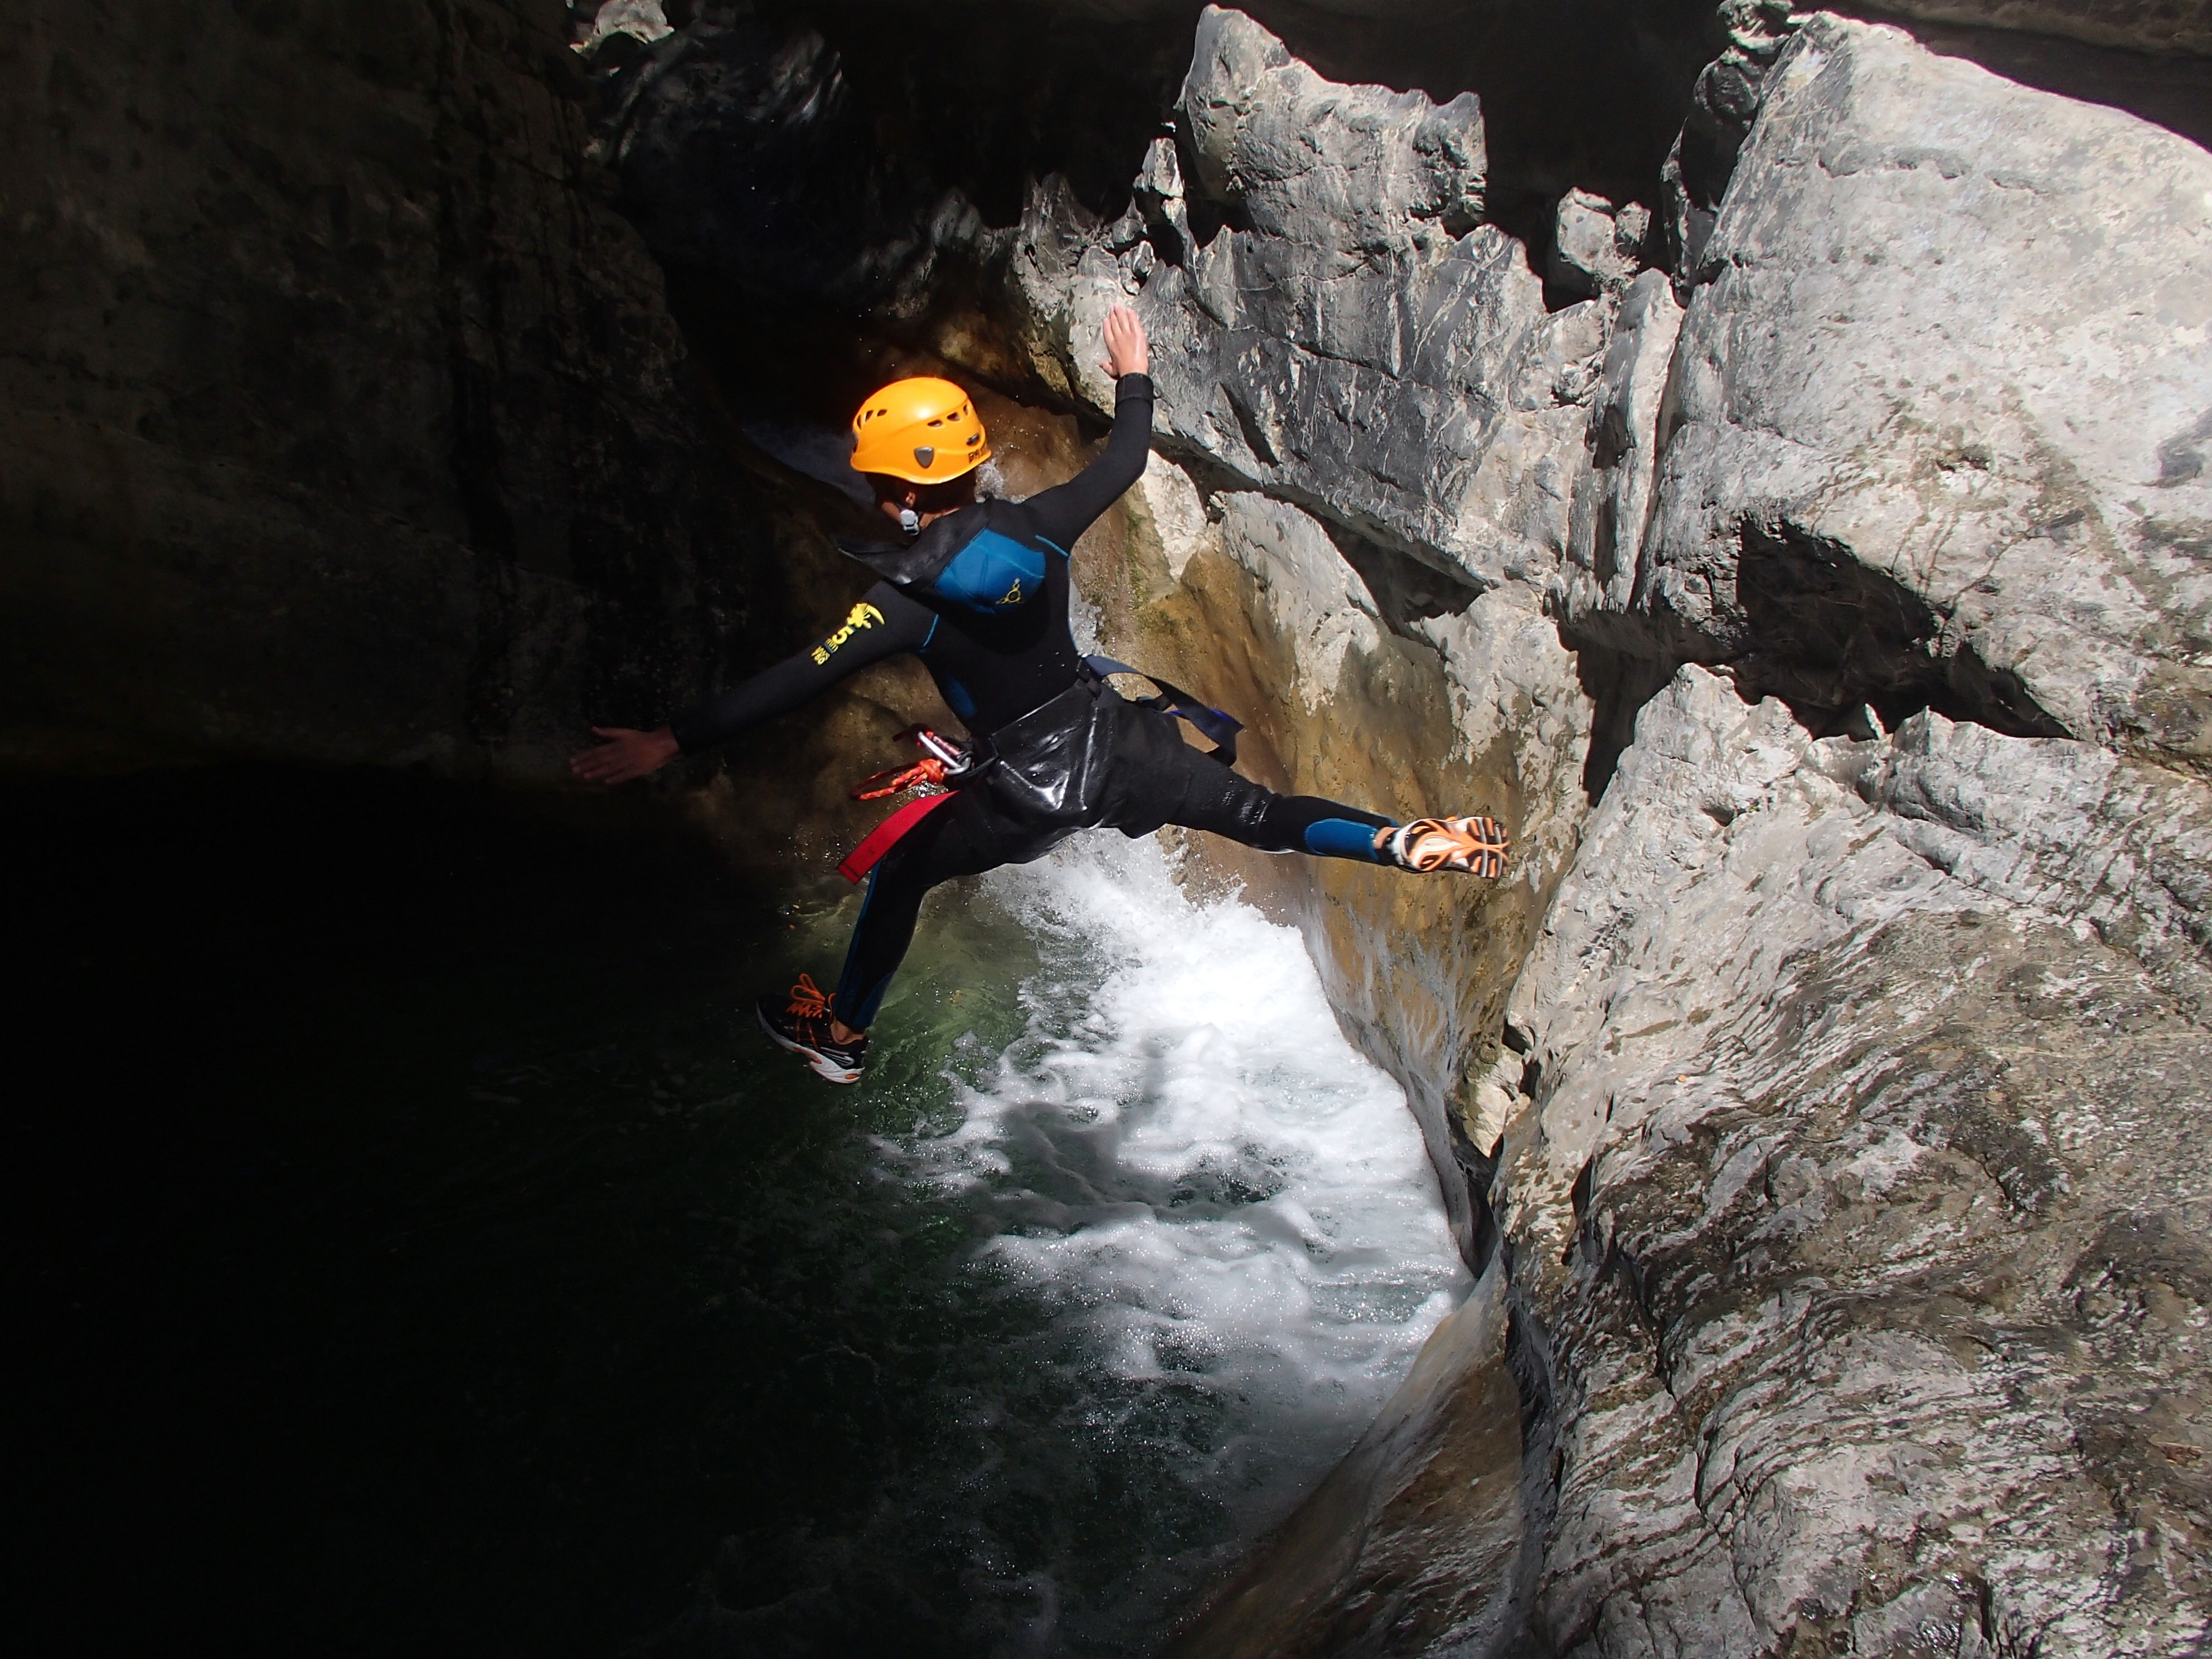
{"type": "Point", "coordinates": [883, 623]}
{"type": "Point", "coordinates": [1066, 510]}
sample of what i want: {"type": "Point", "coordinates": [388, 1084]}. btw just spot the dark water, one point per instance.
{"type": "Point", "coordinates": [424, 1254]}
{"type": "Point", "coordinates": [417, 1261]}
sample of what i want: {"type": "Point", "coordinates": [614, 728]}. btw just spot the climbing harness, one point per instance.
{"type": "Point", "coordinates": [1057, 763]}
{"type": "Point", "coordinates": [942, 761]}
{"type": "Point", "coordinates": [942, 764]}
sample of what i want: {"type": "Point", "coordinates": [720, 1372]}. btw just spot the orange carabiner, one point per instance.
{"type": "Point", "coordinates": [927, 769]}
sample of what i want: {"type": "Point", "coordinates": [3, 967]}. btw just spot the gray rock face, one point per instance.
{"type": "Point", "coordinates": [2162, 25]}
{"type": "Point", "coordinates": [1862, 1194]}
{"type": "Point", "coordinates": [1271, 138]}
{"type": "Point", "coordinates": [1349, 337]}
{"type": "Point", "coordinates": [1843, 1160]}
{"type": "Point", "coordinates": [1940, 409]}
{"type": "Point", "coordinates": [1613, 490]}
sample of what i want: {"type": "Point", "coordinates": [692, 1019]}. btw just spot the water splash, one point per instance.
{"type": "Point", "coordinates": [1220, 1216]}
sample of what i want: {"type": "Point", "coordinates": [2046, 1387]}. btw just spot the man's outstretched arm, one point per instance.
{"type": "Point", "coordinates": [1066, 510]}
{"type": "Point", "coordinates": [883, 623]}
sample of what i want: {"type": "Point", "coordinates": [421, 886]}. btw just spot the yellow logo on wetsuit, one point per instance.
{"type": "Point", "coordinates": [1014, 593]}
{"type": "Point", "coordinates": [862, 616]}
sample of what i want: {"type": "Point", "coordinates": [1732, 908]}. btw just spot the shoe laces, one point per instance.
{"type": "Point", "coordinates": [807, 999]}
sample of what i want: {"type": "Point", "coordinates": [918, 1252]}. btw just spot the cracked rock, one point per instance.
{"type": "Point", "coordinates": [1935, 407]}
{"type": "Point", "coordinates": [1351, 334]}
{"type": "Point", "coordinates": [1850, 1272]}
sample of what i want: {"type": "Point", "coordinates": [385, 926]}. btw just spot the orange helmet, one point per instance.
{"type": "Point", "coordinates": [922, 431]}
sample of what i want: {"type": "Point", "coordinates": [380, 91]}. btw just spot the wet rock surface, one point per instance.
{"type": "Point", "coordinates": [1367, 678]}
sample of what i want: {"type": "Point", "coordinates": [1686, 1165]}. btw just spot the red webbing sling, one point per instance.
{"type": "Point", "coordinates": [884, 836]}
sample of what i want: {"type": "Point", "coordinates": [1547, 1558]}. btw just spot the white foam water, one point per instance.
{"type": "Point", "coordinates": [1221, 1213]}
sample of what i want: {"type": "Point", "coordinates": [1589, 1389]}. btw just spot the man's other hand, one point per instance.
{"type": "Point", "coordinates": [1126, 350]}
{"type": "Point", "coordinates": [624, 755]}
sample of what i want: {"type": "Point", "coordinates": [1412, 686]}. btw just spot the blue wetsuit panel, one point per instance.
{"type": "Point", "coordinates": [993, 572]}
{"type": "Point", "coordinates": [1342, 838]}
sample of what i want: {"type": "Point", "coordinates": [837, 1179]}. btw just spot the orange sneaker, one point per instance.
{"type": "Point", "coordinates": [1477, 846]}
{"type": "Point", "coordinates": [802, 1026]}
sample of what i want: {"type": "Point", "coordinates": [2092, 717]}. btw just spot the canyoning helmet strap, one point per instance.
{"type": "Point", "coordinates": [909, 522]}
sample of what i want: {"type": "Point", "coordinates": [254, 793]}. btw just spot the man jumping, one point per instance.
{"type": "Point", "coordinates": [979, 591]}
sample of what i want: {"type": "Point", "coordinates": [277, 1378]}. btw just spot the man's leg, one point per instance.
{"type": "Point", "coordinates": [961, 839]}
{"type": "Point", "coordinates": [1215, 798]}
{"type": "Point", "coordinates": [1260, 818]}
{"type": "Point", "coordinates": [1208, 796]}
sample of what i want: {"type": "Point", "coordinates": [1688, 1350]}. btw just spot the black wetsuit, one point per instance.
{"type": "Point", "coordinates": [982, 597]}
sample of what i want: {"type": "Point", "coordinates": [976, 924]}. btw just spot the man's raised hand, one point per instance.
{"type": "Point", "coordinates": [625, 754]}
{"type": "Point", "coordinates": [1126, 352]}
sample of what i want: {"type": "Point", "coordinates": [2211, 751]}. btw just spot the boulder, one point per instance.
{"type": "Point", "coordinates": [1942, 404]}
{"type": "Point", "coordinates": [1332, 320]}
{"type": "Point", "coordinates": [1861, 1194]}
{"type": "Point", "coordinates": [1595, 246]}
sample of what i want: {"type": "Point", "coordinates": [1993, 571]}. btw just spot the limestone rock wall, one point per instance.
{"type": "Point", "coordinates": [340, 414]}
{"type": "Point", "coordinates": [1838, 1153]}
{"type": "Point", "coordinates": [1857, 1192]}
{"type": "Point", "coordinates": [1935, 421]}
